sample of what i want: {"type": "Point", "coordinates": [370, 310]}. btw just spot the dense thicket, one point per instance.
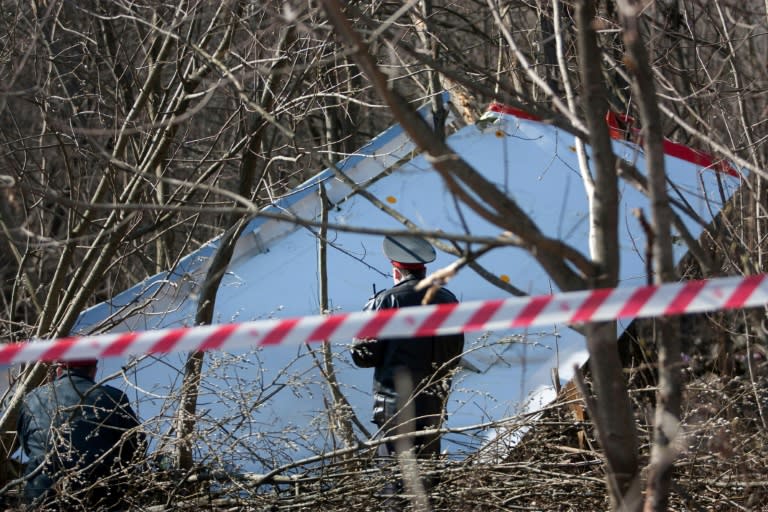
{"type": "Point", "coordinates": [132, 133]}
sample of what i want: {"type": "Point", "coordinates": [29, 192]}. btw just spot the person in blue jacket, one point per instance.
{"type": "Point", "coordinates": [81, 439]}
{"type": "Point", "coordinates": [412, 376]}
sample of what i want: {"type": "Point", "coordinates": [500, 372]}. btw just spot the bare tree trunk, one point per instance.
{"type": "Point", "coordinates": [341, 412]}
{"type": "Point", "coordinates": [667, 417]}
{"type": "Point", "coordinates": [186, 419]}
{"type": "Point", "coordinates": [186, 416]}
{"type": "Point", "coordinates": [430, 42]}
{"type": "Point", "coordinates": [614, 418]}
{"type": "Point", "coordinates": [548, 44]}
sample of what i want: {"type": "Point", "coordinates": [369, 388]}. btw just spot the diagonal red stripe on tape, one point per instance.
{"type": "Point", "coordinates": [432, 323]}
{"type": "Point", "coordinates": [118, 346]}
{"type": "Point", "coordinates": [684, 297]}
{"type": "Point", "coordinates": [218, 337]}
{"type": "Point", "coordinates": [636, 301]}
{"type": "Point", "coordinates": [58, 349]}
{"type": "Point", "coordinates": [276, 334]}
{"type": "Point", "coordinates": [743, 291]}
{"type": "Point", "coordinates": [327, 328]}
{"type": "Point", "coordinates": [531, 311]}
{"type": "Point", "coordinates": [167, 342]}
{"type": "Point", "coordinates": [374, 326]}
{"type": "Point", "coordinates": [482, 315]}
{"type": "Point", "coordinates": [589, 306]}
{"type": "Point", "coordinates": [8, 351]}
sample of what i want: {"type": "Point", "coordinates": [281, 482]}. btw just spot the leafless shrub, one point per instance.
{"type": "Point", "coordinates": [132, 133]}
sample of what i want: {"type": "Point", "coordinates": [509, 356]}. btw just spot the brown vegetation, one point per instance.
{"type": "Point", "coordinates": [132, 133]}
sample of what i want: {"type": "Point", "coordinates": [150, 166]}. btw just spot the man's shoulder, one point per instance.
{"type": "Point", "coordinates": [40, 390]}
{"type": "Point", "coordinates": [379, 293]}
{"type": "Point", "coordinates": [92, 389]}
{"type": "Point", "coordinates": [116, 394]}
{"type": "Point", "coordinates": [388, 297]}
{"type": "Point", "coordinates": [447, 295]}
{"type": "Point", "coordinates": [38, 395]}
{"type": "Point", "coordinates": [377, 299]}
{"type": "Point", "coordinates": [405, 292]}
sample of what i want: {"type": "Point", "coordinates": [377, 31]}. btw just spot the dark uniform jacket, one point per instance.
{"type": "Point", "coordinates": [427, 362]}
{"type": "Point", "coordinates": [75, 433]}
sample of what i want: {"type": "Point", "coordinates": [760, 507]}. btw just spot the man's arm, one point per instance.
{"type": "Point", "coordinates": [124, 421]}
{"type": "Point", "coordinates": [367, 353]}
{"type": "Point", "coordinates": [22, 427]}
{"type": "Point", "coordinates": [137, 436]}
{"type": "Point", "coordinates": [134, 442]}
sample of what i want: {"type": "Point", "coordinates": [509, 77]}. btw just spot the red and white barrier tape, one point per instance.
{"type": "Point", "coordinates": [565, 308]}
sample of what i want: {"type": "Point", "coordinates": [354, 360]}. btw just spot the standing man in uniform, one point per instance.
{"type": "Point", "coordinates": [80, 437]}
{"type": "Point", "coordinates": [412, 376]}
